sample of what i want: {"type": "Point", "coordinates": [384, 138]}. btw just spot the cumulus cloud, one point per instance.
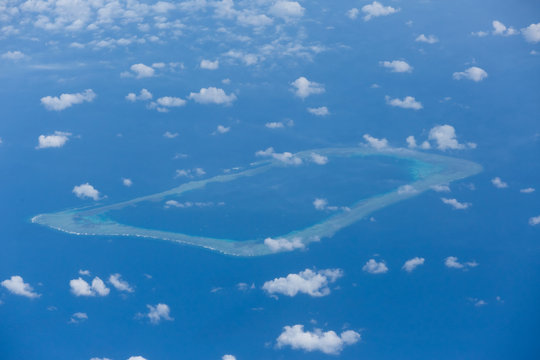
{"type": "Point", "coordinates": [399, 66]}
{"type": "Point", "coordinates": [320, 204]}
{"type": "Point", "coordinates": [408, 102]}
{"type": "Point", "coordinates": [319, 159]}
{"type": "Point", "coordinates": [190, 172]}
{"type": "Point", "coordinates": [228, 357]}
{"type": "Point", "coordinates": [327, 342]}
{"type": "Point", "coordinates": [528, 190]}
{"type": "Point", "coordinates": [209, 65]}
{"type": "Point", "coordinates": [429, 39]}
{"type": "Point", "coordinates": [59, 103]}
{"type": "Point", "coordinates": [120, 284]}
{"type": "Point", "coordinates": [77, 318]}
{"type": "Point", "coordinates": [142, 71]}
{"type": "Point", "coordinates": [143, 95]}
{"type": "Point", "coordinates": [411, 143]}
{"type": "Point", "coordinates": [312, 283]}
{"type": "Point", "coordinates": [304, 88]}
{"type": "Point", "coordinates": [376, 9]}
{"type": "Point", "coordinates": [453, 263]}
{"type": "Point", "coordinates": [86, 190]}
{"type": "Point", "coordinates": [127, 182]}
{"type": "Point", "coordinates": [279, 124]}
{"type": "Point", "coordinates": [441, 188]}
{"type": "Point", "coordinates": [170, 101]}
{"type": "Point", "coordinates": [535, 220]}
{"type": "Point", "coordinates": [445, 138]}
{"type": "Point", "coordinates": [138, 357]}
{"type": "Point", "coordinates": [212, 95]}
{"type": "Point", "coordinates": [498, 183]}
{"type": "Point", "coordinates": [56, 140]}
{"type": "Point", "coordinates": [500, 29]}
{"type": "Point", "coordinates": [80, 287]}
{"type": "Point", "coordinates": [222, 129]}
{"type": "Point", "coordinates": [158, 313]}
{"type": "Point", "coordinates": [13, 55]}
{"type": "Point", "coordinates": [285, 157]}
{"type": "Point", "coordinates": [376, 143]}
{"type": "Point", "coordinates": [532, 33]}
{"type": "Point", "coordinates": [283, 244]}
{"type": "Point", "coordinates": [374, 267]}
{"type": "Point", "coordinates": [413, 263]}
{"type": "Point", "coordinates": [287, 9]}
{"type": "Point", "coordinates": [17, 286]}
{"type": "Point", "coordinates": [319, 111]}
{"type": "Point", "coordinates": [353, 13]}
{"type": "Point", "coordinates": [456, 204]}
{"type": "Point", "coordinates": [473, 73]}
{"type": "Point", "coordinates": [169, 135]}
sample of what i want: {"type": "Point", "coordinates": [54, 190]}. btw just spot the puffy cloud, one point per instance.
{"type": "Point", "coordinates": [13, 55]}
{"type": "Point", "coordinates": [285, 157]}
{"type": "Point", "coordinates": [413, 263]}
{"type": "Point", "coordinates": [119, 284]}
{"type": "Point", "coordinates": [190, 172]}
{"type": "Point", "coordinates": [327, 342]}
{"type": "Point", "coordinates": [228, 357]}
{"type": "Point", "coordinates": [77, 318]}
{"type": "Point", "coordinates": [222, 129]}
{"type": "Point", "coordinates": [170, 101]}
{"type": "Point", "coordinates": [209, 65]}
{"type": "Point", "coordinates": [138, 357]}
{"type": "Point", "coordinates": [212, 95]}
{"type": "Point", "coordinates": [246, 18]}
{"type": "Point", "coordinates": [441, 188]}
{"type": "Point", "coordinates": [319, 159]}
{"type": "Point", "coordinates": [320, 204]}
{"type": "Point", "coordinates": [430, 39]}
{"type": "Point", "coordinates": [158, 313]}
{"type": "Point", "coordinates": [453, 263]}
{"type": "Point", "coordinates": [143, 95]}
{"type": "Point", "coordinates": [79, 287]}
{"type": "Point", "coordinates": [376, 143]}
{"type": "Point", "coordinates": [127, 182]}
{"type": "Point", "coordinates": [247, 58]}
{"type": "Point", "coordinates": [17, 286]}
{"type": "Point", "coordinates": [86, 190]}
{"type": "Point", "coordinates": [303, 87]}
{"type": "Point", "coordinates": [535, 220]}
{"type": "Point", "coordinates": [532, 33]}
{"type": "Point", "coordinates": [528, 190]}
{"type": "Point", "coordinates": [67, 100]}
{"type": "Point", "coordinates": [498, 183]}
{"type": "Point", "coordinates": [376, 9]}
{"type": "Point", "coordinates": [374, 267]}
{"type": "Point", "coordinates": [279, 124]}
{"type": "Point", "coordinates": [408, 102]}
{"type": "Point", "coordinates": [56, 140]}
{"type": "Point", "coordinates": [500, 29]}
{"type": "Point", "coordinates": [282, 244]}
{"type": "Point", "coordinates": [142, 71]}
{"type": "Point", "coordinates": [411, 143]}
{"type": "Point", "coordinates": [287, 9]}
{"type": "Point", "coordinates": [169, 135]}
{"type": "Point", "coordinates": [84, 272]}
{"type": "Point", "coordinates": [312, 283]}
{"type": "Point", "coordinates": [399, 66]}
{"type": "Point", "coordinates": [473, 73]}
{"type": "Point", "coordinates": [319, 111]}
{"type": "Point", "coordinates": [456, 204]}
{"type": "Point", "coordinates": [353, 13]}
{"type": "Point", "coordinates": [445, 137]}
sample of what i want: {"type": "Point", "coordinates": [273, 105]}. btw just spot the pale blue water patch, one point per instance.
{"type": "Point", "coordinates": [377, 183]}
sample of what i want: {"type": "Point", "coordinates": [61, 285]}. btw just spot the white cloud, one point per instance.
{"type": "Point", "coordinates": [158, 313]}
{"type": "Point", "coordinates": [56, 140]}
{"type": "Point", "coordinates": [142, 71]}
{"type": "Point", "coordinates": [143, 95]}
{"type": "Point", "coordinates": [319, 111]}
{"type": "Point", "coordinates": [498, 183]}
{"type": "Point", "coordinates": [247, 58]}
{"type": "Point", "coordinates": [327, 342]}
{"type": "Point", "coordinates": [411, 143]}
{"type": "Point", "coordinates": [532, 33]}
{"type": "Point", "coordinates": [285, 157]}
{"type": "Point", "coordinates": [430, 39]}
{"type": "Point", "coordinates": [473, 73]}
{"type": "Point", "coordinates": [79, 287]}
{"type": "Point", "coordinates": [399, 66]}
{"type": "Point", "coordinates": [138, 357]}
{"type": "Point", "coordinates": [304, 87]}
{"type": "Point", "coordinates": [535, 220]}
{"type": "Point", "coordinates": [170, 101]}
{"type": "Point", "coordinates": [274, 125]}
{"type": "Point", "coordinates": [282, 244]}
{"type": "Point", "coordinates": [320, 204]}
{"type": "Point", "coordinates": [17, 286]}
{"type": "Point", "coordinates": [127, 182]}
{"type": "Point", "coordinates": [312, 283]}
{"type": "Point", "coordinates": [209, 65]}
{"type": "Point", "coordinates": [528, 190]}
{"type": "Point", "coordinates": [67, 100]}
{"type": "Point", "coordinates": [212, 95]}
{"type": "Point", "coordinates": [374, 267]}
{"type": "Point", "coordinates": [287, 9]}
{"type": "Point", "coordinates": [408, 102]}
{"type": "Point", "coordinates": [500, 29]}
{"type": "Point", "coordinates": [13, 55]}
{"type": "Point", "coordinates": [119, 284]}
{"type": "Point", "coordinates": [319, 159]}
{"type": "Point", "coordinates": [376, 143]}
{"type": "Point", "coordinates": [413, 263]}
{"type": "Point", "coordinates": [77, 318]}
{"type": "Point", "coordinates": [480, 33]}
{"type": "Point", "coordinates": [406, 190]}
{"type": "Point", "coordinates": [453, 263]}
{"type": "Point", "coordinates": [86, 190]}
{"type": "Point", "coordinates": [84, 272]}
{"type": "Point", "coordinates": [169, 135]}
{"type": "Point", "coordinates": [353, 13]}
{"type": "Point", "coordinates": [445, 137]}
{"type": "Point", "coordinates": [377, 9]}
{"type": "Point", "coordinates": [441, 188]}
{"type": "Point", "coordinates": [228, 357]}
{"type": "Point", "coordinates": [456, 204]}
{"type": "Point", "coordinates": [190, 172]}
{"type": "Point", "coordinates": [222, 129]}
